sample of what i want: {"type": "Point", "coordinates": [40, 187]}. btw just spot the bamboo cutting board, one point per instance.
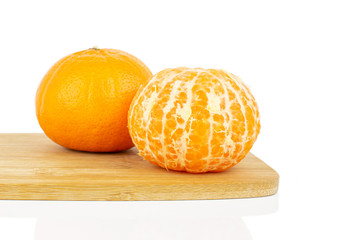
{"type": "Point", "coordinates": [33, 167]}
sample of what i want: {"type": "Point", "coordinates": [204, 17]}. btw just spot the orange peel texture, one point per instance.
{"type": "Point", "coordinates": [83, 100]}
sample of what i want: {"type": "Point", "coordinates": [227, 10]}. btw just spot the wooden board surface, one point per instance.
{"type": "Point", "coordinates": [33, 167]}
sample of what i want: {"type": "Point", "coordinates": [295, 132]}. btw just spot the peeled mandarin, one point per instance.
{"type": "Point", "coordinates": [194, 120]}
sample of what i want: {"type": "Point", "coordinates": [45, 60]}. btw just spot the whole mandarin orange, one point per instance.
{"type": "Point", "coordinates": [83, 100]}
{"type": "Point", "coordinates": [194, 120]}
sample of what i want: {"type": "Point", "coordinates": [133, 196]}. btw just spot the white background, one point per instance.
{"type": "Point", "coordinates": [300, 59]}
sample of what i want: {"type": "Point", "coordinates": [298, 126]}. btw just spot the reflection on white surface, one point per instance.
{"type": "Point", "coordinates": [111, 229]}
{"type": "Point", "coordinates": [90, 220]}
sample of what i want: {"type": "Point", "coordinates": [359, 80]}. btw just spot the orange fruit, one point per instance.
{"type": "Point", "coordinates": [194, 120]}
{"type": "Point", "coordinates": [83, 100]}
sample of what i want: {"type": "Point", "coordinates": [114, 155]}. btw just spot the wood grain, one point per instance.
{"type": "Point", "coordinates": [33, 167]}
